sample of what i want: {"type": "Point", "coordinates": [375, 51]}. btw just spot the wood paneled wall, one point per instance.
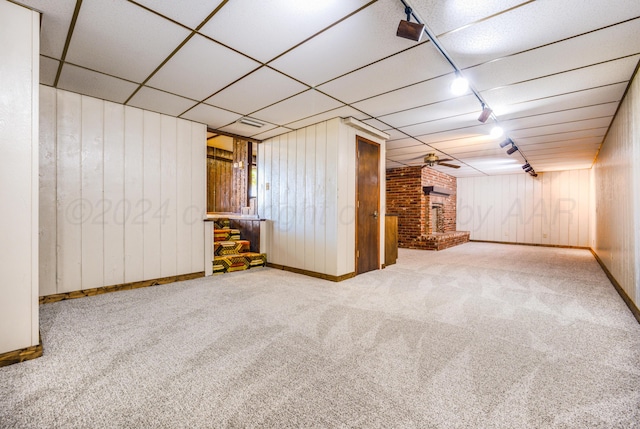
{"type": "Point", "coordinates": [552, 209]}
{"type": "Point", "coordinates": [617, 193]}
{"type": "Point", "coordinates": [306, 187]}
{"type": "Point", "coordinates": [123, 193]}
{"type": "Point", "coordinates": [19, 38]}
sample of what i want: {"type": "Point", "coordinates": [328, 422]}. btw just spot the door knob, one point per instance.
{"type": "Point", "coordinates": [375, 214]}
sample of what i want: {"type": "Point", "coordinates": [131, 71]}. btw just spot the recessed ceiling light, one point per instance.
{"type": "Point", "coordinates": [251, 122]}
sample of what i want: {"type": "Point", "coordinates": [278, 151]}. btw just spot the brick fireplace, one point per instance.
{"type": "Point", "coordinates": [425, 201]}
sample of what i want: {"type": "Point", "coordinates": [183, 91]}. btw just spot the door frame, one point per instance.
{"type": "Point", "coordinates": [355, 253]}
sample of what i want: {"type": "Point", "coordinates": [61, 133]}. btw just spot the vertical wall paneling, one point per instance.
{"type": "Point", "coordinates": [276, 171]}
{"type": "Point", "coordinates": [133, 195]}
{"type": "Point", "coordinates": [292, 158]}
{"type": "Point", "coordinates": [93, 207]}
{"type": "Point", "coordinates": [617, 214]}
{"type": "Point", "coordinates": [113, 204]}
{"type": "Point", "coordinates": [320, 197]}
{"type": "Point", "coordinates": [310, 209]}
{"type": "Point", "coordinates": [183, 189]}
{"type": "Point", "coordinates": [199, 193]}
{"type": "Point", "coordinates": [69, 191]}
{"type": "Point", "coordinates": [550, 209]}
{"type": "Point", "coordinates": [48, 211]}
{"type": "Point", "coordinates": [300, 201]}
{"type": "Point", "coordinates": [168, 197]}
{"type": "Point", "coordinates": [331, 197]}
{"type": "Point", "coordinates": [151, 203]}
{"type": "Point", "coordinates": [19, 184]}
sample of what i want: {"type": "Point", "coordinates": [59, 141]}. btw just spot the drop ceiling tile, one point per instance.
{"type": "Point", "coordinates": [211, 116]}
{"type": "Point", "coordinates": [56, 17]}
{"type": "Point", "coordinates": [264, 30]}
{"type": "Point", "coordinates": [419, 63]}
{"type": "Point", "coordinates": [393, 145]}
{"type": "Point", "coordinates": [48, 70]}
{"type": "Point", "coordinates": [160, 101]}
{"type": "Point", "coordinates": [247, 130]}
{"type": "Point", "coordinates": [87, 82]}
{"type": "Point", "coordinates": [103, 35]}
{"type": "Point", "coordinates": [302, 106]}
{"type": "Point", "coordinates": [562, 137]}
{"type": "Point", "coordinates": [355, 42]}
{"type": "Point", "coordinates": [272, 133]}
{"type": "Point", "coordinates": [200, 68]}
{"type": "Point", "coordinates": [190, 12]}
{"type": "Point", "coordinates": [592, 48]}
{"type": "Point", "coordinates": [421, 94]}
{"type": "Point", "coordinates": [589, 124]}
{"type": "Point", "coordinates": [532, 25]}
{"type": "Point", "coordinates": [340, 112]}
{"type": "Point", "coordinates": [589, 97]}
{"type": "Point", "coordinates": [444, 124]}
{"type": "Point", "coordinates": [586, 142]}
{"type": "Point", "coordinates": [256, 91]}
{"type": "Point", "coordinates": [577, 80]}
{"type": "Point", "coordinates": [380, 125]}
{"type": "Point", "coordinates": [442, 16]}
{"type": "Point", "coordinates": [452, 107]}
{"type": "Point", "coordinates": [571, 115]}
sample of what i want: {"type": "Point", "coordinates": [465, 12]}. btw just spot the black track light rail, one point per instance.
{"type": "Point", "coordinates": [408, 10]}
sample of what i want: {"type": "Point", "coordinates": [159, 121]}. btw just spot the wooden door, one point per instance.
{"type": "Point", "coordinates": [367, 206]}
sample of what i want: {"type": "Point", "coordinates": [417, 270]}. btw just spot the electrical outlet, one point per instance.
{"type": "Point", "coordinates": [544, 235]}
{"type": "Point", "coordinates": [266, 186]}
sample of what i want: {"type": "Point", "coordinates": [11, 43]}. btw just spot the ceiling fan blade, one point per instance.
{"type": "Point", "coordinates": [448, 165]}
{"type": "Point", "coordinates": [445, 160]}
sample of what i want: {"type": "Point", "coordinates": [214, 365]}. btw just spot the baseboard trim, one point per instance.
{"type": "Point", "coordinates": [562, 246]}
{"type": "Point", "coordinates": [632, 306]}
{"type": "Point", "coordinates": [312, 273]}
{"type": "Point", "coordinates": [21, 355]}
{"type": "Point", "coordinates": [47, 299]}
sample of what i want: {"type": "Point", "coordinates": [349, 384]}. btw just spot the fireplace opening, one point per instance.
{"type": "Point", "coordinates": [437, 217]}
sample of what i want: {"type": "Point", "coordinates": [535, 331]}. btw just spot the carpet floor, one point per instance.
{"type": "Point", "coordinates": [477, 336]}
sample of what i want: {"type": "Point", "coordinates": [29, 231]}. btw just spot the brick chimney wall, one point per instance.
{"type": "Point", "coordinates": [406, 198]}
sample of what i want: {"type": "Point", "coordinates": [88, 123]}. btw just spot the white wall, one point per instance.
{"type": "Point", "coordinates": [617, 209]}
{"type": "Point", "coordinates": [19, 41]}
{"type": "Point", "coordinates": [122, 193]}
{"type": "Point", "coordinates": [310, 199]}
{"type": "Point", "coordinates": [551, 209]}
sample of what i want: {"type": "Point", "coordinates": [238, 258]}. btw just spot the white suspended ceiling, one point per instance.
{"type": "Point", "coordinates": [553, 72]}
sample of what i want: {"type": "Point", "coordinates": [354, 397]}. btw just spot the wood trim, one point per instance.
{"type": "Point", "coordinates": [115, 288]}
{"type": "Point", "coordinates": [312, 273]}
{"type": "Point", "coordinates": [632, 306]}
{"type": "Point", "coordinates": [562, 246]}
{"type": "Point", "coordinates": [21, 355]}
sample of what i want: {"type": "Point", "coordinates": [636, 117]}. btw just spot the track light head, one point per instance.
{"type": "Point", "coordinates": [410, 30]}
{"type": "Point", "coordinates": [524, 167]}
{"type": "Point", "coordinates": [507, 142]}
{"type": "Point", "coordinates": [484, 115]}
{"type": "Point", "coordinates": [512, 149]}
{"type": "Point", "coordinates": [528, 170]}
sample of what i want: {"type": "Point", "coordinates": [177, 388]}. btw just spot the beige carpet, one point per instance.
{"type": "Point", "coordinates": [476, 336]}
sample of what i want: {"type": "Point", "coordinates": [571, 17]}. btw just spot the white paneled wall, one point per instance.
{"type": "Point", "coordinates": [19, 38]}
{"type": "Point", "coordinates": [306, 188]}
{"type": "Point", "coordinates": [123, 193]}
{"type": "Point", "coordinates": [551, 209]}
{"type": "Point", "coordinates": [617, 181]}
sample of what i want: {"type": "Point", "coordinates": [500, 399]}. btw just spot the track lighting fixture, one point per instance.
{"type": "Point", "coordinates": [525, 166]}
{"type": "Point", "coordinates": [528, 170]}
{"type": "Point", "coordinates": [496, 132]}
{"type": "Point", "coordinates": [459, 85]}
{"type": "Point", "coordinates": [484, 115]}
{"type": "Point", "coordinates": [512, 149]}
{"type": "Point", "coordinates": [410, 30]}
{"type": "Point", "coordinates": [505, 143]}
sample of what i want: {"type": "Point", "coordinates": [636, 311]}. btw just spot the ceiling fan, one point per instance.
{"type": "Point", "coordinates": [432, 159]}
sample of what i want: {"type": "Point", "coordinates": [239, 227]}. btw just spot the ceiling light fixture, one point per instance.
{"type": "Point", "coordinates": [251, 122]}
{"type": "Point", "coordinates": [496, 132]}
{"type": "Point", "coordinates": [505, 143]}
{"type": "Point", "coordinates": [512, 149]}
{"type": "Point", "coordinates": [524, 167]}
{"type": "Point", "coordinates": [459, 85]}
{"type": "Point", "coordinates": [484, 115]}
{"type": "Point", "coordinates": [410, 30]}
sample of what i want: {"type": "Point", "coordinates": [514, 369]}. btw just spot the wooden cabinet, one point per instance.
{"type": "Point", "coordinates": [390, 239]}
